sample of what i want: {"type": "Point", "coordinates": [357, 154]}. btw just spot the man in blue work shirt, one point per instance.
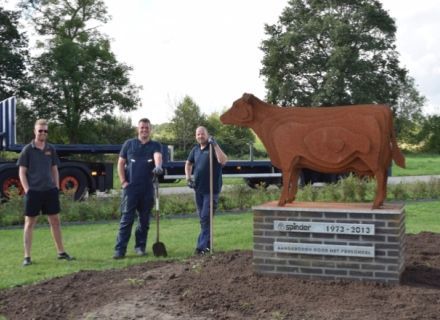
{"type": "Point", "coordinates": [199, 160]}
{"type": "Point", "coordinates": [140, 158]}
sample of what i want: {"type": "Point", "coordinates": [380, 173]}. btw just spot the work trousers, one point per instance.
{"type": "Point", "coordinates": [202, 203]}
{"type": "Point", "coordinates": [134, 200]}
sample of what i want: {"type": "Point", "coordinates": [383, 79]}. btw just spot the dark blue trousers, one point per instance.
{"type": "Point", "coordinates": [134, 201]}
{"type": "Point", "coordinates": [202, 203]}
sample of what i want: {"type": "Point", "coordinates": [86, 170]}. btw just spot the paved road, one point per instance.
{"type": "Point", "coordinates": [391, 180]}
{"type": "Point", "coordinates": [409, 179]}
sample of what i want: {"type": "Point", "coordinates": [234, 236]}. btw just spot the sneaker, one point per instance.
{"type": "Point", "coordinates": [27, 261]}
{"type": "Point", "coordinates": [140, 252]}
{"type": "Point", "coordinates": [65, 256]}
{"type": "Point", "coordinates": [118, 256]}
{"type": "Point", "coordinates": [201, 252]}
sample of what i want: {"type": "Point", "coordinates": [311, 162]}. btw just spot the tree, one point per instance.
{"type": "Point", "coordinates": [407, 110]}
{"type": "Point", "coordinates": [187, 117]}
{"type": "Point", "coordinates": [235, 141]}
{"type": "Point", "coordinates": [324, 53]}
{"type": "Point", "coordinates": [108, 129]}
{"type": "Point", "coordinates": [13, 54]}
{"type": "Point", "coordinates": [430, 134]}
{"type": "Point", "coordinates": [76, 75]}
{"type": "Point", "coordinates": [164, 133]}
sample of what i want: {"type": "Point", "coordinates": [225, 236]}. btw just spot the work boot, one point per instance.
{"type": "Point", "coordinates": [140, 252]}
{"type": "Point", "coordinates": [27, 261]}
{"type": "Point", "coordinates": [118, 256]}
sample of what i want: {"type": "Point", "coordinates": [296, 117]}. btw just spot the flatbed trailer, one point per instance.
{"type": "Point", "coordinates": [80, 177]}
{"type": "Point", "coordinates": [91, 176]}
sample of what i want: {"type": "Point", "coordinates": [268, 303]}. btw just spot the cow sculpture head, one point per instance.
{"type": "Point", "coordinates": [241, 113]}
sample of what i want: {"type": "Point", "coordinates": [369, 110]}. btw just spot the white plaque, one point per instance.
{"type": "Point", "coordinates": [323, 227]}
{"type": "Point", "coordinates": [324, 249]}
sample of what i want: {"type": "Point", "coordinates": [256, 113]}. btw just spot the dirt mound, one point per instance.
{"type": "Point", "coordinates": [223, 286]}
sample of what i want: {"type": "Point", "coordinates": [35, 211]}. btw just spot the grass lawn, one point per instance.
{"type": "Point", "coordinates": [418, 165]}
{"type": "Point", "coordinates": [92, 244]}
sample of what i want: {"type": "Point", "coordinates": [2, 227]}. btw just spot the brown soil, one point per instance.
{"type": "Point", "coordinates": [223, 286]}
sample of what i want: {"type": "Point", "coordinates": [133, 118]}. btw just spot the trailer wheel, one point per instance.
{"type": "Point", "coordinates": [255, 183]}
{"type": "Point", "coordinates": [73, 181]}
{"type": "Point", "coordinates": [10, 183]}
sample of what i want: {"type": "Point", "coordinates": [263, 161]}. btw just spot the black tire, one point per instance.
{"type": "Point", "coordinates": [9, 179]}
{"type": "Point", "coordinates": [73, 180]}
{"type": "Point", "coordinates": [255, 183]}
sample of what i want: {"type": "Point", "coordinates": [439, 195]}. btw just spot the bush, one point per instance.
{"type": "Point", "coordinates": [237, 197]}
{"type": "Point", "coordinates": [398, 191]}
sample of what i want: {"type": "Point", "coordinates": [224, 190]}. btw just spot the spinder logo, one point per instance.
{"type": "Point", "coordinates": [297, 227]}
{"type": "Point", "coordinates": [281, 227]}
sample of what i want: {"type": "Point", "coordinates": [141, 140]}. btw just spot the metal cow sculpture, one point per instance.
{"type": "Point", "coordinates": [358, 139]}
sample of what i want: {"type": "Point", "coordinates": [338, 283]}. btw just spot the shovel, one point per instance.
{"type": "Point", "coordinates": [159, 249]}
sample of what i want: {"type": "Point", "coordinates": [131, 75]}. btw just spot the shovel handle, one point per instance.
{"type": "Point", "coordinates": [156, 201]}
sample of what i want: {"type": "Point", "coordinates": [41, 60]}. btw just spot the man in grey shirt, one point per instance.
{"type": "Point", "coordinates": [38, 172]}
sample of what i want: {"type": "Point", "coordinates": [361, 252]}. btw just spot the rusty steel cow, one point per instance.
{"type": "Point", "coordinates": [358, 139]}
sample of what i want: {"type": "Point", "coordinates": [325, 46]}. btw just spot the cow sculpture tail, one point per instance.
{"type": "Point", "coordinates": [397, 154]}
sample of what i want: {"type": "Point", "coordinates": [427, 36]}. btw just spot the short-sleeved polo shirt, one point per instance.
{"type": "Point", "coordinates": [200, 160]}
{"type": "Point", "coordinates": [39, 164]}
{"type": "Point", "coordinates": [139, 161]}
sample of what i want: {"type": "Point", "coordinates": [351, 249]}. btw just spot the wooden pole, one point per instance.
{"type": "Point", "coordinates": [211, 198]}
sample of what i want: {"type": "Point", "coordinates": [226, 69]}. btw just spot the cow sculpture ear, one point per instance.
{"type": "Point", "coordinates": [247, 97]}
{"type": "Point", "coordinates": [245, 112]}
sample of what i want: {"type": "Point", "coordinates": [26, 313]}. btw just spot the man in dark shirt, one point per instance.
{"type": "Point", "coordinates": [38, 172]}
{"type": "Point", "coordinates": [198, 160]}
{"type": "Point", "coordinates": [140, 158]}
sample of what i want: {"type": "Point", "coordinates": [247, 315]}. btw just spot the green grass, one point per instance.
{"type": "Point", "coordinates": [422, 216]}
{"type": "Point", "coordinates": [418, 165]}
{"type": "Point", "coordinates": [92, 244]}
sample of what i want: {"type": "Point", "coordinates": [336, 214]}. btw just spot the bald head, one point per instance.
{"type": "Point", "coordinates": [202, 135]}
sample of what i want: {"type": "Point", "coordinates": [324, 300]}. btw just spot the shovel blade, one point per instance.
{"type": "Point", "coordinates": [159, 250]}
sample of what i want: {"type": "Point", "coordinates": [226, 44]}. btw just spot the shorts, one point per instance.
{"type": "Point", "coordinates": [47, 202]}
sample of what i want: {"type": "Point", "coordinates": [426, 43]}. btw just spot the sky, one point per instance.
{"type": "Point", "coordinates": [209, 49]}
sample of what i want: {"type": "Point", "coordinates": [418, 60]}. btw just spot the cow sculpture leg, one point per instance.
{"type": "Point", "coordinates": [287, 178]}
{"type": "Point", "coordinates": [285, 192]}
{"type": "Point", "coordinates": [293, 185]}
{"type": "Point", "coordinates": [381, 189]}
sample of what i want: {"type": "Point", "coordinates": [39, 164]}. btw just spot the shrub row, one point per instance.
{"type": "Point", "coordinates": [237, 197]}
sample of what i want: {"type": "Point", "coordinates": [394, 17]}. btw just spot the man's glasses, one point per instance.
{"type": "Point", "coordinates": [43, 131]}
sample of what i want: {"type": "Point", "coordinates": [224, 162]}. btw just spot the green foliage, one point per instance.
{"type": "Point", "coordinates": [430, 134]}
{"type": "Point", "coordinates": [308, 193]}
{"type": "Point", "coordinates": [163, 133]}
{"type": "Point", "coordinates": [76, 74]}
{"type": "Point", "coordinates": [408, 116]}
{"type": "Point", "coordinates": [108, 129]}
{"type": "Point", "coordinates": [234, 197]}
{"type": "Point", "coordinates": [324, 53]}
{"type": "Point", "coordinates": [13, 54]}
{"type": "Point", "coordinates": [187, 117]}
{"type": "Point", "coordinates": [234, 140]}
{"type": "Point", "coordinates": [11, 211]}
{"type": "Point", "coordinates": [398, 191]}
